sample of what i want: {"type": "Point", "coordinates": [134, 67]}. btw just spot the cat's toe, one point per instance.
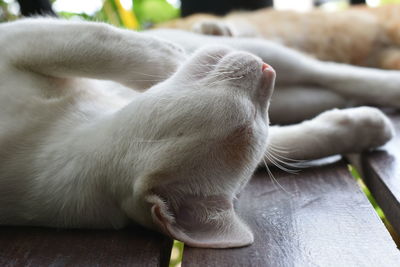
{"type": "Point", "coordinates": [375, 125]}
{"type": "Point", "coordinates": [213, 28]}
{"type": "Point", "coordinates": [364, 127]}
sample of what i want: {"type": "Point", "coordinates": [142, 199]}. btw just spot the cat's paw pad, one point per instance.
{"type": "Point", "coordinates": [363, 127]}
{"type": "Point", "coordinates": [213, 28]}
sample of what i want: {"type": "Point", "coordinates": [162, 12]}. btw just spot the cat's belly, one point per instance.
{"type": "Point", "coordinates": [25, 107]}
{"type": "Point", "coordinates": [30, 121]}
{"type": "Point", "coordinates": [29, 114]}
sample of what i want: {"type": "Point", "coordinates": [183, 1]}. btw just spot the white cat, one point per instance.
{"type": "Point", "coordinates": [76, 151]}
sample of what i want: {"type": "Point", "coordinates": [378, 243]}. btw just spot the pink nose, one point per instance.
{"type": "Point", "coordinates": [265, 66]}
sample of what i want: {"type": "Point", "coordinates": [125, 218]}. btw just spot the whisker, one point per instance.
{"type": "Point", "coordinates": [295, 165]}
{"type": "Point", "coordinates": [146, 80]}
{"type": "Point", "coordinates": [214, 56]}
{"type": "Point", "coordinates": [213, 75]}
{"type": "Point", "coordinates": [151, 75]}
{"type": "Point", "coordinates": [274, 180]}
{"type": "Point", "coordinates": [224, 80]}
{"type": "Point", "coordinates": [290, 160]}
{"type": "Point", "coordinates": [283, 168]}
{"type": "Point", "coordinates": [278, 146]}
{"type": "Point", "coordinates": [278, 150]}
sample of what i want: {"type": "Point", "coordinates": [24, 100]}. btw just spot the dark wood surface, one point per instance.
{"type": "Point", "coordinates": [382, 176]}
{"type": "Point", "coordinates": [20, 246]}
{"type": "Point", "coordinates": [322, 220]}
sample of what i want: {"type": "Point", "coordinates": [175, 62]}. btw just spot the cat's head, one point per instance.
{"type": "Point", "coordinates": [205, 131]}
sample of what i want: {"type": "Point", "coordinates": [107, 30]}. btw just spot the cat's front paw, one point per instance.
{"type": "Point", "coordinates": [359, 128]}
{"type": "Point", "coordinates": [211, 27]}
{"type": "Point", "coordinates": [169, 55]}
{"type": "Point", "coordinates": [160, 60]}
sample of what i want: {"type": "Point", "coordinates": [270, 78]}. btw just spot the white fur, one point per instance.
{"type": "Point", "coordinates": [77, 151]}
{"type": "Point", "coordinates": [356, 84]}
{"type": "Point", "coordinates": [305, 87]}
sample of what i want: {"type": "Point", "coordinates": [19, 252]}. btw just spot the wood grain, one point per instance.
{"type": "Point", "coordinates": [322, 220]}
{"type": "Point", "coordinates": [381, 171]}
{"type": "Point", "coordinates": [23, 246]}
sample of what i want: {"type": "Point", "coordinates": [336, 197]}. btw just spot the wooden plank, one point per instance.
{"type": "Point", "coordinates": [381, 172]}
{"type": "Point", "coordinates": [23, 246]}
{"type": "Point", "coordinates": [322, 220]}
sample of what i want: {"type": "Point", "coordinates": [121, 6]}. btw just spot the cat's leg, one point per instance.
{"type": "Point", "coordinates": [65, 49]}
{"type": "Point", "coordinates": [232, 28]}
{"type": "Point", "coordinates": [366, 85]}
{"type": "Point", "coordinates": [214, 27]}
{"type": "Point", "coordinates": [292, 67]}
{"type": "Point", "coordinates": [293, 104]}
{"type": "Point", "coordinates": [332, 132]}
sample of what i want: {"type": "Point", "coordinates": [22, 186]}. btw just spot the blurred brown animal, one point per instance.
{"type": "Point", "coordinates": [359, 36]}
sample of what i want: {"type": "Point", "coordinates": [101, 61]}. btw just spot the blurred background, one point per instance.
{"type": "Point", "coordinates": [142, 14]}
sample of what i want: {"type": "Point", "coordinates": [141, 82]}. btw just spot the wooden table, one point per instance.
{"type": "Point", "coordinates": [318, 217]}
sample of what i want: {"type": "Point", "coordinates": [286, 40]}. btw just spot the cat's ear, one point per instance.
{"type": "Point", "coordinates": [209, 222]}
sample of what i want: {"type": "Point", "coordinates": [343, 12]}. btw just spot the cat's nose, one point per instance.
{"type": "Point", "coordinates": [267, 81]}
{"type": "Point", "coordinates": [265, 66]}
{"type": "Point", "coordinates": [268, 71]}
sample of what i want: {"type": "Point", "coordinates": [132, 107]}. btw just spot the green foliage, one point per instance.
{"type": "Point", "coordinates": [366, 191]}
{"type": "Point", "coordinates": [357, 176]}
{"type": "Point", "coordinates": [176, 254]}
{"type": "Point", "coordinates": [5, 14]}
{"type": "Point", "coordinates": [383, 2]}
{"type": "Point", "coordinates": [154, 11]}
{"type": "Point", "coordinates": [143, 14]}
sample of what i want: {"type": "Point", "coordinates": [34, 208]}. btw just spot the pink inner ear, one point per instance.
{"type": "Point", "coordinates": [193, 215]}
{"type": "Point", "coordinates": [158, 218]}
{"type": "Point", "coordinates": [202, 222]}
{"type": "Point", "coordinates": [160, 213]}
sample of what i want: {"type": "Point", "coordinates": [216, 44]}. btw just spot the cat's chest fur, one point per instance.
{"type": "Point", "coordinates": [39, 122]}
